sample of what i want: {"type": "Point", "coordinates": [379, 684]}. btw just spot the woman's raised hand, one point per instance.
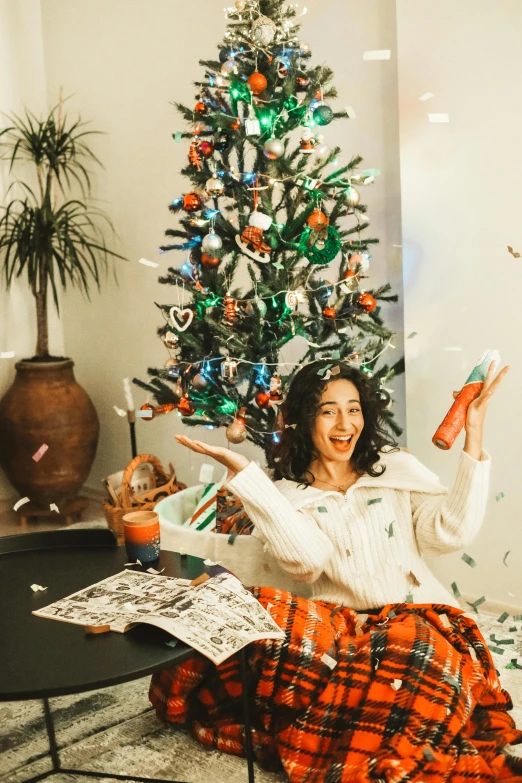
{"type": "Point", "coordinates": [232, 461]}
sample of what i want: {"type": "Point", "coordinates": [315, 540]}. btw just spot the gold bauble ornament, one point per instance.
{"type": "Point", "coordinates": [236, 432]}
{"type": "Point", "coordinates": [352, 197]}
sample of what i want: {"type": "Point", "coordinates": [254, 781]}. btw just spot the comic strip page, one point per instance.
{"type": "Point", "coordinates": [217, 618]}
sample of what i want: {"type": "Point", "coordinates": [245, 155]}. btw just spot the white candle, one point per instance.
{"type": "Point", "coordinates": [128, 394]}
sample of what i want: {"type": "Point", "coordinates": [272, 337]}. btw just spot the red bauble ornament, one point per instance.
{"type": "Point", "coordinates": [185, 408]}
{"type": "Point", "coordinates": [263, 399]}
{"type": "Point", "coordinates": [148, 407]}
{"type": "Point", "coordinates": [257, 82]}
{"type": "Point", "coordinates": [209, 262]}
{"type": "Point", "coordinates": [349, 273]}
{"type": "Point", "coordinates": [318, 220]}
{"type": "Point", "coordinates": [192, 202]}
{"type": "Point", "coordinates": [201, 107]}
{"type": "Point", "coordinates": [329, 312]}
{"type": "Point", "coordinates": [206, 148]}
{"type": "Point", "coordinates": [367, 303]}
{"type": "Point", "coordinates": [302, 83]}
{"type": "Point", "coordinates": [236, 124]}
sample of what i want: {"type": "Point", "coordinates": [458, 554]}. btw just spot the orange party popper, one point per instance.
{"type": "Point", "coordinates": [455, 418]}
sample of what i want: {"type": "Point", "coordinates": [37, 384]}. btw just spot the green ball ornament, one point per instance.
{"type": "Point", "coordinates": [323, 115]}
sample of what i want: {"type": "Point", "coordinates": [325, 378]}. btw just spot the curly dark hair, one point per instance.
{"type": "Point", "coordinates": [293, 454]}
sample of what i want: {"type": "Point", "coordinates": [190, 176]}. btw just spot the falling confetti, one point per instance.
{"type": "Point", "coordinates": [513, 252]}
{"type": "Point", "coordinates": [146, 262]}
{"type": "Point", "coordinates": [278, 265]}
{"type": "Point", "coordinates": [54, 507]}
{"type": "Point", "coordinates": [119, 411]}
{"type": "Point", "coordinates": [138, 562]}
{"type": "Point", "coordinates": [153, 571]}
{"type": "Point", "coordinates": [500, 496]}
{"type": "Point", "coordinates": [323, 509]}
{"type": "Point", "coordinates": [413, 334]}
{"type": "Point", "coordinates": [350, 111]}
{"type": "Point", "coordinates": [20, 503]}
{"type": "Point", "coordinates": [503, 617]}
{"type": "Point", "coordinates": [438, 117]}
{"type": "Point", "coordinates": [177, 136]}
{"type": "Point", "coordinates": [390, 529]}
{"type": "Point", "coordinates": [37, 456]}
{"type": "Point", "coordinates": [7, 354]}
{"type": "Point", "coordinates": [329, 661]}
{"type": "Point", "coordinates": [504, 558]}
{"type": "Point", "coordinates": [377, 54]}
{"type": "Point", "coordinates": [172, 643]}
{"type": "Point", "coordinates": [453, 349]}
{"type": "Point", "coordinates": [232, 537]}
{"type": "Point", "coordinates": [469, 560]}
{"type": "Point", "coordinates": [455, 589]}
{"type": "Point", "coordinates": [37, 588]}
{"type": "Point", "coordinates": [209, 562]}
{"type": "Point", "coordinates": [477, 603]}
{"type": "Point", "coordinates": [374, 500]}
{"type": "Point", "coordinates": [426, 96]}
{"type": "Point", "coordinates": [396, 684]}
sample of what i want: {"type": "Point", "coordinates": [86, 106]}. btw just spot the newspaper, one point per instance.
{"type": "Point", "coordinates": [217, 618]}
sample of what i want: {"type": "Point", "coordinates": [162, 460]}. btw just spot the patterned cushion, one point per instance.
{"type": "Point", "coordinates": [204, 516]}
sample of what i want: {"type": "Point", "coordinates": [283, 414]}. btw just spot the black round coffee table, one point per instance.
{"type": "Point", "coordinates": [42, 658]}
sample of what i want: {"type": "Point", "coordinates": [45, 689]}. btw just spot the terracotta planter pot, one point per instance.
{"type": "Point", "coordinates": [46, 405]}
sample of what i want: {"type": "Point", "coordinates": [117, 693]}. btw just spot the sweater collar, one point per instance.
{"type": "Point", "coordinates": [403, 472]}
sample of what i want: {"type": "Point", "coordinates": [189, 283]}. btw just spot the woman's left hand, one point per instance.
{"type": "Point", "coordinates": [478, 408]}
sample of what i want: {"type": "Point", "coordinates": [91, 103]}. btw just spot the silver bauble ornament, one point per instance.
{"type": "Point", "coordinates": [352, 197]}
{"type": "Point", "coordinates": [260, 306]}
{"type": "Point", "coordinates": [304, 48]}
{"type": "Point", "coordinates": [263, 31]}
{"type": "Point", "coordinates": [214, 186]}
{"type": "Point", "coordinates": [236, 432]}
{"type": "Point", "coordinates": [321, 149]}
{"type": "Point", "coordinates": [228, 67]}
{"type": "Point", "coordinates": [211, 243]}
{"type": "Point", "coordinates": [273, 148]}
{"type": "Point", "coordinates": [199, 382]}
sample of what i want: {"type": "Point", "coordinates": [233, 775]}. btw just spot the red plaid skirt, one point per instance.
{"type": "Point", "coordinates": [409, 694]}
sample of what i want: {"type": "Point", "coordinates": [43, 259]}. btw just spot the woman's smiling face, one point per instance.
{"type": "Point", "coordinates": [339, 421]}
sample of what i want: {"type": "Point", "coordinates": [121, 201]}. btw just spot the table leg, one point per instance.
{"type": "Point", "coordinates": [246, 715]}
{"type": "Point", "coordinates": [49, 723]}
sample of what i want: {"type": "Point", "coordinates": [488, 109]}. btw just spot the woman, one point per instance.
{"type": "Point", "coordinates": [381, 674]}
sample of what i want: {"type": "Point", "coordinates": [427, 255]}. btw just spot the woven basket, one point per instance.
{"type": "Point", "coordinates": [165, 484]}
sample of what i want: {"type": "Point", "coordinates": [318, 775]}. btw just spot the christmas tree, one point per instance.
{"type": "Point", "coordinates": [267, 198]}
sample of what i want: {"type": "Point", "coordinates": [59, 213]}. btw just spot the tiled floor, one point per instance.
{"type": "Point", "coordinates": [9, 525]}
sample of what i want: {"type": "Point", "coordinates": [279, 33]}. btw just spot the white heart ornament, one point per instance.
{"type": "Point", "coordinates": [180, 313]}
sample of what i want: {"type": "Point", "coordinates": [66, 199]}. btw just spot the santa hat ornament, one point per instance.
{"type": "Point", "coordinates": [251, 240]}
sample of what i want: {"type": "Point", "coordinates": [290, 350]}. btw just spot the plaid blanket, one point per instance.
{"type": "Point", "coordinates": [408, 693]}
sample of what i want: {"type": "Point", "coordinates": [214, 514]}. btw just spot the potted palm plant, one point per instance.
{"type": "Point", "coordinates": [51, 234]}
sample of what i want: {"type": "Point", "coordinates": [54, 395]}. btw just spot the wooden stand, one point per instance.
{"type": "Point", "coordinates": [70, 510]}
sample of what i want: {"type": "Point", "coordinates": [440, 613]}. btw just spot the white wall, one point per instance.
{"type": "Point", "coordinates": [126, 61]}
{"type": "Point", "coordinates": [22, 84]}
{"type": "Point", "coordinates": [460, 186]}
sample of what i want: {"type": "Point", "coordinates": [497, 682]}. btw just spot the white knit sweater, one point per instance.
{"type": "Point", "coordinates": [364, 549]}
